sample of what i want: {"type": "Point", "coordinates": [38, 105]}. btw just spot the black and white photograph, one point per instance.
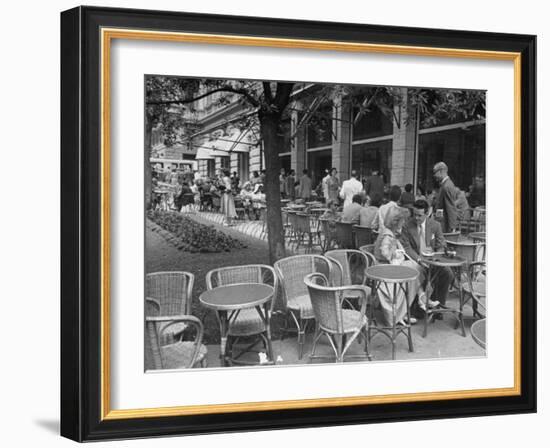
{"type": "Point", "coordinates": [299, 223]}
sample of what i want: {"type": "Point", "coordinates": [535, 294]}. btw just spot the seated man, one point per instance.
{"type": "Point", "coordinates": [422, 234]}
{"type": "Point", "coordinates": [352, 212]}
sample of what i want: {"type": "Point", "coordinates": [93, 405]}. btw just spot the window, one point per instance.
{"type": "Point", "coordinates": [210, 168]}
{"type": "Point", "coordinates": [372, 124]}
{"type": "Point", "coordinates": [319, 127]}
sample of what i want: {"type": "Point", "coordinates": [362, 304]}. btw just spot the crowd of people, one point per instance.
{"type": "Point", "coordinates": [406, 225]}
{"type": "Point", "coordinates": [186, 191]}
{"type": "Point", "coordinates": [364, 202]}
{"type": "Point", "coordinates": [367, 203]}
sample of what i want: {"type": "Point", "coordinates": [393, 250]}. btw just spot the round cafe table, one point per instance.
{"type": "Point", "coordinates": [390, 280]}
{"type": "Point", "coordinates": [456, 264]}
{"type": "Point", "coordinates": [229, 300]}
{"type": "Point", "coordinates": [479, 332]}
{"type": "Point", "coordinates": [478, 237]}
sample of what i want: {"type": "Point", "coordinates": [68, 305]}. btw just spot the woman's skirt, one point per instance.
{"type": "Point", "coordinates": [228, 205]}
{"type": "Point", "coordinates": [398, 301]}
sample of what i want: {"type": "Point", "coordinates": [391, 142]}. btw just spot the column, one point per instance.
{"type": "Point", "coordinates": [404, 142]}
{"type": "Point", "coordinates": [341, 139]}
{"type": "Point", "coordinates": [298, 142]}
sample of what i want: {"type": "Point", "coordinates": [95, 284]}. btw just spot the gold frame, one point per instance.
{"type": "Point", "coordinates": [107, 35]}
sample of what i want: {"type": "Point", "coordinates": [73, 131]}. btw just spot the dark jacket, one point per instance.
{"type": "Point", "coordinates": [446, 201]}
{"type": "Point", "coordinates": [410, 237]}
{"type": "Point", "coordinates": [374, 186]}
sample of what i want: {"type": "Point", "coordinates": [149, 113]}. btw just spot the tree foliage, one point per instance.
{"type": "Point", "coordinates": [172, 104]}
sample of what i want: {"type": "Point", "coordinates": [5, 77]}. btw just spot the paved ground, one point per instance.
{"type": "Point", "coordinates": [443, 340]}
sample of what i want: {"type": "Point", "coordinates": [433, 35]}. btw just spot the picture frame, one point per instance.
{"type": "Point", "coordinates": [86, 35]}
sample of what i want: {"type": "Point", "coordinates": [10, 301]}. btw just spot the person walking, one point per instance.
{"type": "Point", "coordinates": [290, 185]}
{"type": "Point", "coordinates": [350, 188]}
{"type": "Point", "coordinates": [446, 199]}
{"type": "Point", "coordinates": [333, 185]}
{"type": "Point", "coordinates": [304, 189]}
{"type": "Point", "coordinates": [227, 201]}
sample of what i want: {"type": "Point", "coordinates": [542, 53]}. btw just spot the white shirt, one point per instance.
{"type": "Point", "coordinates": [350, 188]}
{"type": "Point", "coordinates": [422, 236]}
{"type": "Point", "coordinates": [325, 185]}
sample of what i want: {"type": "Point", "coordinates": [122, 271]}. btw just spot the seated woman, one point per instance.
{"type": "Point", "coordinates": [388, 249]}
{"type": "Point", "coordinates": [369, 212]}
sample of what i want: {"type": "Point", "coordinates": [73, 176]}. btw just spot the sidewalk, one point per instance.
{"type": "Point", "coordinates": [443, 340]}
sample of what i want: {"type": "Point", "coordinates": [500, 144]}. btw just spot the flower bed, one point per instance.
{"type": "Point", "coordinates": [191, 236]}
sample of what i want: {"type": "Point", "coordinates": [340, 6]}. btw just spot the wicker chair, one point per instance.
{"type": "Point", "coordinates": [344, 235]}
{"type": "Point", "coordinates": [473, 282]}
{"type": "Point", "coordinates": [473, 221]}
{"type": "Point", "coordinates": [162, 351]}
{"type": "Point", "coordinates": [295, 296]}
{"type": "Point", "coordinates": [327, 236]}
{"type": "Point", "coordinates": [247, 322]}
{"type": "Point", "coordinates": [216, 203]}
{"type": "Point", "coordinates": [240, 209]}
{"type": "Point", "coordinates": [305, 232]}
{"type": "Point", "coordinates": [173, 291]}
{"type": "Point", "coordinates": [341, 326]}
{"type": "Point", "coordinates": [286, 224]}
{"type": "Point", "coordinates": [363, 235]}
{"type": "Point", "coordinates": [292, 225]}
{"type": "Point", "coordinates": [350, 266]}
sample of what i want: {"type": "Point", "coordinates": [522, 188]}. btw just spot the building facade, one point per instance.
{"type": "Point", "coordinates": [395, 143]}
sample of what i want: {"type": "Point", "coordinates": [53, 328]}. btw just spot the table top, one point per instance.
{"type": "Point", "coordinates": [478, 331]}
{"type": "Point", "coordinates": [443, 260]}
{"type": "Point", "coordinates": [238, 296]}
{"type": "Point", "coordinates": [480, 236]}
{"type": "Point", "coordinates": [391, 273]}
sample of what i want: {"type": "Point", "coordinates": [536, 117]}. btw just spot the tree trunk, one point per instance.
{"type": "Point", "coordinates": [275, 235]}
{"type": "Point", "coordinates": [147, 162]}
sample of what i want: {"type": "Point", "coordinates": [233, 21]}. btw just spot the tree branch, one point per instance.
{"type": "Point", "coordinates": [253, 101]}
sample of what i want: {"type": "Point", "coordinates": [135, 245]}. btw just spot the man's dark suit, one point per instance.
{"type": "Point", "coordinates": [374, 186]}
{"type": "Point", "coordinates": [446, 200]}
{"type": "Point", "coordinates": [410, 238]}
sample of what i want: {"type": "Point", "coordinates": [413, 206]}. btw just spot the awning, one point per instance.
{"type": "Point", "coordinates": [205, 153]}
{"type": "Point", "coordinates": [235, 141]}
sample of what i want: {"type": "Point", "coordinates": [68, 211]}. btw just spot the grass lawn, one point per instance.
{"type": "Point", "coordinates": [160, 255]}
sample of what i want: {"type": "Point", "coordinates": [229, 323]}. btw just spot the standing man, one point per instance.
{"type": "Point", "coordinates": [304, 189]}
{"type": "Point", "coordinates": [350, 188]}
{"type": "Point", "coordinates": [290, 185]}
{"type": "Point", "coordinates": [422, 234]}
{"type": "Point", "coordinates": [374, 186]}
{"type": "Point", "coordinates": [325, 185]}
{"type": "Point", "coordinates": [446, 198]}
